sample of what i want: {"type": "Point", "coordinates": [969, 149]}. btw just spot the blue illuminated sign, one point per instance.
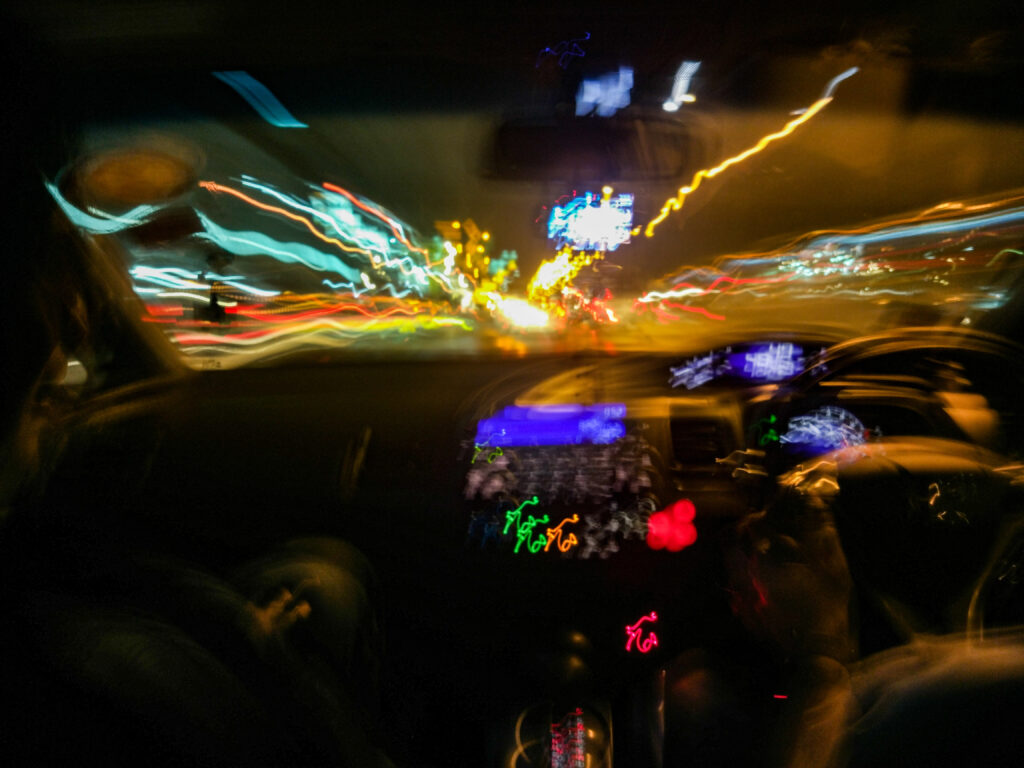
{"type": "Point", "coordinates": [768, 362]}
{"type": "Point", "coordinates": [592, 222]}
{"type": "Point", "coordinates": [569, 424]}
{"type": "Point", "coordinates": [605, 95]}
{"type": "Point", "coordinates": [824, 429]}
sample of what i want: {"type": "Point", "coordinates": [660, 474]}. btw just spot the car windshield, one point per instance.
{"type": "Point", "coordinates": [538, 384]}
{"type": "Point", "coordinates": [584, 185]}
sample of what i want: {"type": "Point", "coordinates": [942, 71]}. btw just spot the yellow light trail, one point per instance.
{"type": "Point", "coordinates": [518, 312]}
{"type": "Point", "coordinates": [552, 275]}
{"type": "Point", "coordinates": [676, 202]}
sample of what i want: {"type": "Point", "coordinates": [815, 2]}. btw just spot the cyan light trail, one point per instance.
{"type": "Point", "coordinates": [355, 291]}
{"type": "Point", "coordinates": [395, 226]}
{"type": "Point", "coordinates": [375, 243]}
{"type": "Point", "coordinates": [176, 277]}
{"type": "Point", "coordinates": [943, 227]}
{"type": "Point", "coordinates": [250, 243]}
{"type": "Point", "coordinates": [417, 275]}
{"type": "Point", "coordinates": [103, 224]}
{"type": "Point", "coordinates": [259, 98]}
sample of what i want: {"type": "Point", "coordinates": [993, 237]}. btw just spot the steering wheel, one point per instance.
{"type": "Point", "coordinates": [927, 526]}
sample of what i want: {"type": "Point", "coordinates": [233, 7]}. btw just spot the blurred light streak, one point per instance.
{"type": "Point", "coordinates": [518, 312]}
{"type": "Point", "coordinates": [176, 277]}
{"type": "Point", "coordinates": [693, 290]}
{"type": "Point", "coordinates": [517, 513]}
{"type": "Point", "coordinates": [108, 224]}
{"type": "Point", "coordinates": [564, 51]}
{"type": "Point", "coordinates": [592, 223]}
{"type": "Point", "coordinates": [634, 631]}
{"type": "Point", "coordinates": [354, 289]}
{"type": "Point", "coordinates": [940, 227]}
{"type": "Point", "coordinates": [250, 243]}
{"type": "Point", "coordinates": [553, 275]}
{"type": "Point", "coordinates": [696, 310]}
{"type": "Point", "coordinates": [556, 533]}
{"type": "Point", "coordinates": [524, 534]}
{"type": "Point", "coordinates": [196, 297]}
{"type": "Point", "coordinates": [326, 218]}
{"type": "Point", "coordinates": [1005, 250]}
{"type": "Point", "coordinates": [273, 317]}
{"type": "Point", "coordinates": [396, 227]}
{"type": "Point", "coordinates": [250, 338]}
{"type": "Point", "coordinates": [130, 218]}
{"type": "Point", "coordinates": [374, 251]}
{"type": "Point", "coordinates": [681, 86]}
{"type": "Point", "coordinates": [606, 94]}
{"type": "Point", "coordinates": [159, 310]}
{"type": "Point", "coordinates": [675, 203]}
{"type": "Point", "coordinates": [212, 186]}
{"type": "Point", "coordinates": [259, 97]}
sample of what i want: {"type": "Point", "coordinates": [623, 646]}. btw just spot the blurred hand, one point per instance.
{"type": "Point", "coordinates": [277, 617]}
{"type": "Point", "coordinates": [789, 580]}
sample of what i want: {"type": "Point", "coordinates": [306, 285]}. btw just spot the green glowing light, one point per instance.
{"type": "Point", "coordinates": [525, 531]}
{"type": "Point", "coordinates": [770, 435]}
{"type": "Point", "coordinates": [517, 514]}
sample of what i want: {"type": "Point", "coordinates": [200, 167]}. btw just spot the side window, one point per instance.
{"type": "Point", "coordinates": [988, 401]}
{"type": "Point", "coordinates": [896, 420]}
{"type": "Point", "coordinates": [977, 390]}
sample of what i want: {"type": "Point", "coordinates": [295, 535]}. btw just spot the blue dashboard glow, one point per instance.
{"type": "Point", "coordinates": [592, 223]}
{"type": "Point", "coordinates": [605, 95]}
{"type": "Point", "coordinates": [767, 362]}
{"type": "Point", "coordinates": [569, 424]}
{"type": "Point", "coordinates": [698, 370]}
{"type": "Point", "coordinates": [824, 429]}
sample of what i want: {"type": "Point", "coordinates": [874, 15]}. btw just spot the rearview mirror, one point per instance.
{"type": "Point", "coordinates": [589, 149]}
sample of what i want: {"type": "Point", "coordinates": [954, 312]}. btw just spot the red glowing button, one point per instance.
{"type": "Point", "coordinates": [672, 528]}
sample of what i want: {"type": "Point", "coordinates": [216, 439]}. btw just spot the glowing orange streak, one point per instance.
{"type": "Point", "coordinates": [732, 281]}
{"type": "Point", "coordinates": [373, 211]}
{"type": "Point", "coordinates": [661, 314]}
{"type": "Point", "coordinates": [161, 311]}
{"type": "Point", "coordinates": [698, 310]}
{"type": "Point", "coordinates": [743, 280]}
{"type": "Point", "coordinates": [276, 318]}
{"type": "Point", "coordinates": [297, 302]}
{"type": "Point", "coordinates": [675, 203]}
{"type": "Point", "coordinates": [214, 187]}
{"type": "Point", "coordinates": [819, 233]}
{"type": "Point", "coordinates": [310, 329]}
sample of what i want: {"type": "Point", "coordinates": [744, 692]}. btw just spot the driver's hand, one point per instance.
{"type": "Point", "coordinates": [791, 586]}
{"type": "Point", "coordinates": [278, 615]}
{"type": "Point", "coordinates": [789, 580]}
